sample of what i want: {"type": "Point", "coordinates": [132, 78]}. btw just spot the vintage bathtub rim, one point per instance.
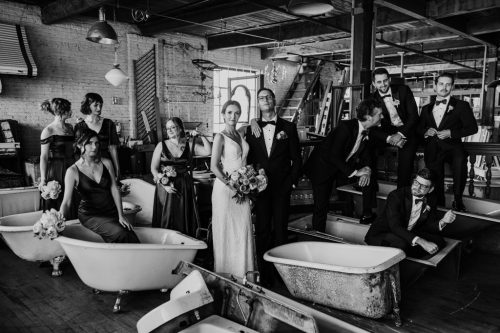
{"type": "Point", "coordinates": [24, 228]}
{"type": "Point", "coordinates": [466, 199]}
{"type": "Point", "coordinates": [196, 244]}
{"type": "Point", "coordinates": [397, 256]}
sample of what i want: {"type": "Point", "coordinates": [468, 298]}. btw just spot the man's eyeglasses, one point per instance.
{"type": "Point", "coordinates": [265, 98]}
{"type": "Point", "coordinates": [420, 185]}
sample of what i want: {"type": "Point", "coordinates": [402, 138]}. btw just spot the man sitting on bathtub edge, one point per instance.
{"type": "Point", "coordinates": [409, 220]}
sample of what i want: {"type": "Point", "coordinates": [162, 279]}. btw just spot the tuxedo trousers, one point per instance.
{"type": "Point", "coordinates": [436, 155]}
{"type": "Point", "coordinates": [272, 209]}
{"type": "Point", "coordinates": [322, 191]}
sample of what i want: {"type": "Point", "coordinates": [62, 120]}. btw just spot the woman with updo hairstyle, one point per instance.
{"type": "Point", "coordinates": [174, 204]}
{"type": "Point", "coordinates": [93, 177]}
{"type": "Point", "coordinates": [56, 150]}
{"type": "Point", "coordinates": [104, 127]}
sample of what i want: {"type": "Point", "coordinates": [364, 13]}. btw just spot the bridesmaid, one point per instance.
{"type": "Point", "coordinates": [104, 127]}
{"type": "Point", "coordinates": [174, 205]}
{"type": "Point", "coordinates": [56, 149]}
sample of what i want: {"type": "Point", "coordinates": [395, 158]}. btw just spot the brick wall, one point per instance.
{"type": "Point", "coordinates": [69, 66]}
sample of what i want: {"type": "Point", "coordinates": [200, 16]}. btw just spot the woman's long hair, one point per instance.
{"type": "Point", "coordinates": [178, 122]}
{"type": "Point", "coordinates": [85, 135]}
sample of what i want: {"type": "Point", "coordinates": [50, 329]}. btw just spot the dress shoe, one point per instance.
{"type": "Point", "coordinates": [367, 219]}
{"type": "Point", "coordinates": [458, 206]}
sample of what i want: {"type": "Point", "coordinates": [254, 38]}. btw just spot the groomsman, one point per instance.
{"type": "Point", "coordinates": [409, 219]}
{"type": "Point", "coordinates": [277, 151]}
{"type": "Point", "coordinates": [443, 124]}
{"type": "Point", "coordinates": [345, 155]}
{"type": "Point", "coordinates": [398, 128]}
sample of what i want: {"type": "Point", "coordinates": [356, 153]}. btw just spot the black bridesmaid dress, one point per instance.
{"type": "Point", "coordinates": [98, 211]}
{"type": "Point", "coordinates": [176, 211]}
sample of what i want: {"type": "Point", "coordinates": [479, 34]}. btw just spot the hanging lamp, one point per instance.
{"type": "Point", "coordinates": [101, 32]}
{"type": "Point", "coordinates": [309, 7]}
{"type": "Point", "coordinates": [116, 76]}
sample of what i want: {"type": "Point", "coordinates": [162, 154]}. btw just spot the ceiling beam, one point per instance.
{"type": "Point", "coordinates": [61, 9]}
{"type": "Point", "coordinates": [433, 67]}
{"type": "Point", "coordinates": [438, 9]}
{"type": "Point", "coordinates": [217, 12]}
{"type": "Point", "coordinates": [417, 10]}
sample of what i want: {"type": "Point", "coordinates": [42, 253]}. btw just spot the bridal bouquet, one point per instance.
{"type": "Point", "coordinates": [51, 190]}
{"type": "Point", "coordinates": [247, 183]}
{"type": "Point", "coordinates": [169, 174]}
{"type": "Point", "coordinates": [50, 225]}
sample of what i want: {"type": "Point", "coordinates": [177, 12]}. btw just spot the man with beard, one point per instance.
{"type": "Point", "coordinates": [409, 219]}
{"type": "Point", "coordinates": [443, 124]}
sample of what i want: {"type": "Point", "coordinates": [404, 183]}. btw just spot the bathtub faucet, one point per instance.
{"type": "Point", "coordinates": [255, 277]}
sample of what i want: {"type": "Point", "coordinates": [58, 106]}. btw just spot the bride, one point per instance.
{"type": "Point", "coordinates": [231, 222]}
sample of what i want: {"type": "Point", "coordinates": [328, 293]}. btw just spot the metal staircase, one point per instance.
{"type": "Point", "coordinates": [301, 92]}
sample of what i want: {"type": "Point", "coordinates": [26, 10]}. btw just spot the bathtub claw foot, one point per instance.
{"type": "Point", "coordinates": [117, 306]}
{"type": "Point", "coordinates": [55, 265]}
{"type": "Point", "coordinates": [395, 298]}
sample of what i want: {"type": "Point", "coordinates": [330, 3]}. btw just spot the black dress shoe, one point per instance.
{"type": "Point", "coordinates": [367, 219]}
{"type": "Point", "coordinates": [458, 206]}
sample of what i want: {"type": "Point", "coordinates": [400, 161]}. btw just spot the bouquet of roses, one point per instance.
{"type": "Point", "coordinates": [169, 174]}
{"type": "Point", "coordinates": [247, 182]}
{"type": "Point", "coordinates": [51, 190]}
{"type": "Point", "coordinates": [50, 225]}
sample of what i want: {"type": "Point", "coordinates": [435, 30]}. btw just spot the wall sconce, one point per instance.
{"type": "Point", "coordinates": [101, 32]}
{"type": "Point", "coordinates": [116, 76]}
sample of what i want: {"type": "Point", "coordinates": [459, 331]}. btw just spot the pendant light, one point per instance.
{"type": "Point", "coordinates": [116, 76]}
{"type": "Point", "coordinates": [101, 32]}
{"type": "Point", "coordinates": [309, 7]}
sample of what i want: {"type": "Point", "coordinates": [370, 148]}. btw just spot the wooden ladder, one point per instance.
{"type": "Point", "coordinates": [324, 115]}
{"type": "Point", "coordinates": [297, 95]}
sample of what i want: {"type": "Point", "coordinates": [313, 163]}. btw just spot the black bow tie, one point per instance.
{"type": "Point", "coordinates": [443, 101]}
{"type": "Point", "coordinates": [385, 96]}
{"type": "Point", "coordinates": [263, 123]}
{"type": "Point", "coordinates": [417, 200]}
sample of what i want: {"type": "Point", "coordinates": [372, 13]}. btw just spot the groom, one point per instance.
{"type": "Point", "coordinates": [277, 151]}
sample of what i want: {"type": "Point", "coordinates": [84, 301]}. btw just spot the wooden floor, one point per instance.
{"type": "Point", "coordinates": [32, 301]}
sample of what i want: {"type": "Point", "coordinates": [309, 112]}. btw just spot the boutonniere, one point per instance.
{"type": "Point", "coordinates": [450, 108]}
{"type": "Point", "coordinates": [281, 136]}
{"type": "Point", "coordinates": [396, 102]}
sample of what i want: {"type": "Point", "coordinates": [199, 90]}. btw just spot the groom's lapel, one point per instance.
{"type": "Point", "coordinates": [262, 143]}
{"type": "Point", "coordinates": [277, 129]}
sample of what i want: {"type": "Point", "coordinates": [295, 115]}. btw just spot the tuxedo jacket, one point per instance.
{"type": "Point", "coordinates": [284, 163]}
{"type": "Point", "coordinates": [396, 216]}
{"type": "Point", "coordinates": [329, 157]}
{"type": "Point", "coordinates": [407, 111]}
{"type": "Point", "coordinates": [458, 118]}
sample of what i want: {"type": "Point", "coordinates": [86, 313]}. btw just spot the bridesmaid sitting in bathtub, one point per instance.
{"type": "Point", "coordinates": [100, 207]}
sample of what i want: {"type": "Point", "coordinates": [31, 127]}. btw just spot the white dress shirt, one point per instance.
{"type": "Point", "coordinates": [268, 131]}
{"type": "Point", "coordinates": [439, 110]}
{"type": "Point", "coordinates": [357, 143]}
{"type": "Point", "coordinates": [393, 113]}
{"type": "Point", "coordinates": [416, 208]}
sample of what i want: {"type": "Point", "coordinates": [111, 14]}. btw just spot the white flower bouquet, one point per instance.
{"type": "Point", "coordinates": [168, 174]}
{"type": "Point", "coordinates": [247, 183]}
{"type": "Point", "coordinates": [50, 225]}
{"type": "Point", "coordinates": [51, 190]}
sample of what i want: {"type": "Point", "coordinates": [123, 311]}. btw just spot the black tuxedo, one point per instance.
{"type": "Point", "coordinates": [328, 163]}
{"type": "Point", "coordinates": [282, 168]}
{"type": "Point", "coordinates": [408, 112]}
{"type": "Point", "coordinates": [391, 227]}
{"type": "Point", "coordinates": [459, 119]}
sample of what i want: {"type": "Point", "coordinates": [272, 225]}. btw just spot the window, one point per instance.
{"type": "Point", "coordinates": [239, 85]}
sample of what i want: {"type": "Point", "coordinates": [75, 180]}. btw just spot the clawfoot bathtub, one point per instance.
{"type": "Point", "coordinates": [17, 232]}
{"type": "Point", "coordinates": [356, 278]}
{"type": "Point", "coordinates": [128, 267]}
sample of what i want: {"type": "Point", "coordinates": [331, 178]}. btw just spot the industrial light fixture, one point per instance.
{"type": "Point", "coordinates": [101, 32]}
{"type": "Point", "coordinates": [116, 76]}
{"type": "Point", "coordinates": [309, 7]}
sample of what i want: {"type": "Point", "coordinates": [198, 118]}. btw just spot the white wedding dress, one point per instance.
{"type": "Point", "coordinates": [231, 222]}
